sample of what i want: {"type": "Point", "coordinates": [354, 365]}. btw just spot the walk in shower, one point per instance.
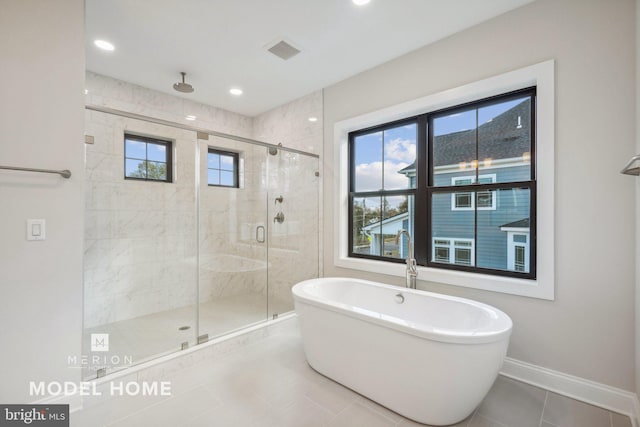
{"type": "Point", "coordinates": [189, 235]}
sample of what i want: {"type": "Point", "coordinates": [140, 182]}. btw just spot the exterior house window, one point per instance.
{"type": "Point", "coordinates": [453, 251]}
{"type": "Point", "coordinates": [460, 180]}
{"type": "Point", "coordinates": [222, 168]}
{"type": "Point", "coordinates": [147, 159]}
{"type": "Point", "coordinates": [466, 201]}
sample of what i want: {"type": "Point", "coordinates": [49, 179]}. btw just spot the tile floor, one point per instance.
{"type": "Point", "coordinates": [145, 337]}
{"type": "Point", "coordinates": [268, 383]}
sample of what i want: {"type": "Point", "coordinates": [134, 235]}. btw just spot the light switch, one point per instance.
{"type": "Point", "coordinates": [35, 229]}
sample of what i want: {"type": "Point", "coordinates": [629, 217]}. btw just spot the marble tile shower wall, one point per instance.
{"type": "Point", "coordinates": [289, 124]}
{"type": "Point", "coordinates": [113, 93]}
{"type": "Point", "coordinates": [294, 243]}
{"type": "Point", "coordinates": [140, 242]}
{"type": "Point", "coordinates": [232, 261]}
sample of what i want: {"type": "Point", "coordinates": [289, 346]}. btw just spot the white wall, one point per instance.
{"type": "Point", "coordinates": [637, 224]}
{"type": "Point", "coordinates": [588, 331]}
{"type": "Point", "coordinates": [41, 118]}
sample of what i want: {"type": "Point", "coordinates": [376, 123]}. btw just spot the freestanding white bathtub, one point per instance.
{"type": "Point", "coordinates": [429, 357]}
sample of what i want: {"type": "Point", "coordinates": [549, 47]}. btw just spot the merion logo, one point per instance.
{"type": "Point", "coordinates": [99, 342]}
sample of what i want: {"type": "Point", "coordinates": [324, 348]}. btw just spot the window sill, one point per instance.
{"type": "Point", "coordinates": [508, 285]}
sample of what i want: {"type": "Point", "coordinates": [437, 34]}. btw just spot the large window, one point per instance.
{"type": "Point", "coordinates": [460, 180]}
{"type": "Point", "coordinates": [147, 159]}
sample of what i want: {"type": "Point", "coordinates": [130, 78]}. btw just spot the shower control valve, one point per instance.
{"type": "Point", "coordinates": [279, 218]}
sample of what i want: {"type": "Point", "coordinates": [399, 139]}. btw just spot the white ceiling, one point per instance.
{"type": "Point", "coordinates": [221, 43]}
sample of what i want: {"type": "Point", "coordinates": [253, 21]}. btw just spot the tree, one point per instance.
{"type": "Point", "coordinates": [150, 170]}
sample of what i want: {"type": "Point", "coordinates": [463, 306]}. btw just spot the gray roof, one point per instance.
{"type": "Point", "coordinates": [522, 223]}
{"type": "Point", "coordinates": [498, 139]}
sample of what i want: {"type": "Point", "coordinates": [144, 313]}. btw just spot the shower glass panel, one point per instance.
{"type": "Point", "coordinates": [293, 183]}
{"type": "Point", "coordinates": [232, 236]}
{"type": "Point", "coordinates": [140, 257]}
{"type": "Point", "coordinates": [188, 237]}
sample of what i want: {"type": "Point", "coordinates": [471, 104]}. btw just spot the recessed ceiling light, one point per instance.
{"type": "Point", "coordinates": [86, 91]}
{"type": "Point", "coordinates": [104, 45]}
{"type": "Point", "coordinates": [313, 119]}
{"type": "Point", "coordinates": [235, 91]}
{"type": "Point", "coordinates": [360, 2]}
{"type": "Point", "coordinates": [190, 117]}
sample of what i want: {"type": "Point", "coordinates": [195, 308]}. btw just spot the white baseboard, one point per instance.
{"type": "Point", "coordinates": [604, 396]}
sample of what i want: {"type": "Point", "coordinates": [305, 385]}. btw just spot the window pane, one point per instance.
{"type": "Point", "coordinates": [504, 139]}
{"type": "Point", "coordinates": [454, 146]}
{"type": "Point", "coordinates": [520, 260]}
{"type": "Point", "coordinates": [157, 170]}
{"type": "Point", "coordinates": [368, 162]}
{"type": "Point", "coordinates": [226, 162]}
{"type": "Point", "coordinates": [463, 201]}
{"type": "Point", "coordinates": [367, 227]}
{"type": "Point", "coordinates": [400, 157]}
{"type": "Point", "coordinates": [463, 256]}
{"type": "Point", "coordinates": [398, 215]}
{"type": "Point", "coordinates": [520, 238]}
{"type": "Point", "coordinates": [135, 168]}
{"type": "Point", "coordinates": [213, 161]}
{"type": "Point", "coordinates": [135, 150]}
{"type": "Point", "coordinates": [441, 254]}
{"type": "Point", "coordinates": [485, 199]}
{"type": "Point", "coordinates": [213, 177]}
{"type": "Point", "coordinates": [226, 178]}
{"type": "Point", "coordinates": [494, 228]}
{"type": "Point", "coordinates": [157, 152]}
{"type": "Point", "coordinates": [455, 228]}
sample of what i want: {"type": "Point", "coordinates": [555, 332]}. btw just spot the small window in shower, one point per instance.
{"type": "Point", "coordinates": [147, 159]}
{"type": "Point", "coordinates": [222, 168]}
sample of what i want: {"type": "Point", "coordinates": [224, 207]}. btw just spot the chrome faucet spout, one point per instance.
{"type": "Point", "coordinates": [412, 271]}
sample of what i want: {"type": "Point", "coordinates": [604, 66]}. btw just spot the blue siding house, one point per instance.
{"type": "Point", "coordinates": [497, 151]}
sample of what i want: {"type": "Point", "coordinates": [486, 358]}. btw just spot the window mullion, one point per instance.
{"type": "Point", "coordinates": [475, 198]}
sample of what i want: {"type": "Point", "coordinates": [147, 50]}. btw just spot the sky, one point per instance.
{"type": "Point", "coordinates": [397, 146]}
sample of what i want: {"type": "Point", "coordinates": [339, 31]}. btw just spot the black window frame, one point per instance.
{"type": "Point", "coordinates": [379, 193]}
{"type": "Point", "coordinates": [425, 188]}
{"type": "Point", "coordinates": [236, 167]}
{"type": "Point", "coordinates": [150, 140]}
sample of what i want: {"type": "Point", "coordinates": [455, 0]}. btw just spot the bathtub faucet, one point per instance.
{"type": "Point", "coordinates": [412, 271]}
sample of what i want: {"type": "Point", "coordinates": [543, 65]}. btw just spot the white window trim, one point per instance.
{"type": "Point", "coordinates": [541, 75]}
{"type": "Point", "coordinates": [473, 199]}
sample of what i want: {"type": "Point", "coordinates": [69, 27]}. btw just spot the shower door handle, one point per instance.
{"type": "Point", "coordinates": [260, 234]}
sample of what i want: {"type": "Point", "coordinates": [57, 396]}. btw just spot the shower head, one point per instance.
{"type": "Point", "coordinates": [182, 86]}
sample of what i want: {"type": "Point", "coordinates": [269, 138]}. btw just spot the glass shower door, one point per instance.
{"type": "Point", "coordinates": [293, 225]}
{"type": "Point", "coordinates": [140, 242]}
{"type": "Point", "coordinates": [233, 236]}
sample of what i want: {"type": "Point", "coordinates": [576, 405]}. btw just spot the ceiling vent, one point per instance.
{"type": "Point", "coordinates": [283, 50]}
